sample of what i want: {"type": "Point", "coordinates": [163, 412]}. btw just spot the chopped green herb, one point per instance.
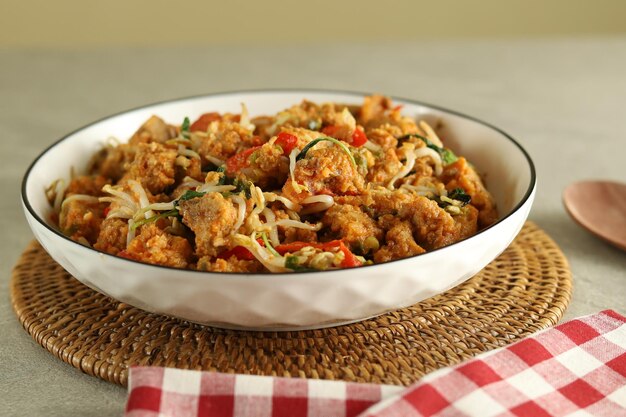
{"type": "Point", "coordinates": [291, 262]}
{"type": "Point", "coordinates": [240, 185]}
{"type": "Point", "coordinates": [224, 179]}
{"type": "Point", "coordinates": [339, 143]}
{"type": "Point", "coordinates": [189, 194]}
{"type": "Point", "coordinates": [169, 213]}
{"type": "Point", "coordinates": [184, 129]}
{"type": "Point", "coordinates": [459, 194]}
{"type": "Point", "coordinates": [447, 156]}
{"type": "Point", "coordinates": [244, 186]}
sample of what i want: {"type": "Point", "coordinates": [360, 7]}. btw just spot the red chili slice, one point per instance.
{"type": "Point", "coordinates": [358, 138]}
{"type": "Point", "coordinates": [203, 122]}
{"type": "Point", "coordinates": [294, 247]}
{"type": "Point", "coordinates": [332, 131]}
{"type": "Point", "coordinates": [349, 260]}
{"type": "Point", "coordinates": [287, 142]}
{"type": "Point", "coordinates": [240, 252]}
{"type": "Point", "coordinates": [240, 160]}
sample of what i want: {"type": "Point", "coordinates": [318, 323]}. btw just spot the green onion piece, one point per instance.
{"type": "Point", "coordinates": [169, 213]}
{"type": "Point", "coordinates": [184, 129]}
{"type": "Point", "coordinates": [189, 194]}
{"type": "Point", "coordinates": [223, 178]}
{"type": "Point", "coordinates": [291, 262]}
{"type": "Point", "coordinates": [459, 194]}
{"type": "Point", "coordinates": [244, 186]}
{"type": "Point", "coordinates": [339, 143]}
{"type": "Point", "coordinates": [268, 245]}
{"type": "Point", "coordinates": [240, 185]}
{"type": "Point", "coordinates": [448, 157]}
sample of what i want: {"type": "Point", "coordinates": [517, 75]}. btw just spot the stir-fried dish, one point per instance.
{"type": "Point", "coordinates": [314, 187]}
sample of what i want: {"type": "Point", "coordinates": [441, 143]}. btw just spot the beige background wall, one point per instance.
{"type": "Point", "coordinates": [89, 23]}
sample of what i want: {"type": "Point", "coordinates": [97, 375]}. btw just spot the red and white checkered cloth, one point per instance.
{"type": "Point", "coordinates": [575, 369]}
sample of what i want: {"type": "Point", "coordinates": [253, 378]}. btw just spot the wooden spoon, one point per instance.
{"type": "Point", "coordinates": [599, 207]}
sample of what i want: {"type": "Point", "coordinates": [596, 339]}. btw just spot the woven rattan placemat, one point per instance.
{"type": "Point", "coordinates": [525, 289]}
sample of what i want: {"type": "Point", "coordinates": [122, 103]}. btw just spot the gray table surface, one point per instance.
{"type": "Point", "coordinates": [563, 99]}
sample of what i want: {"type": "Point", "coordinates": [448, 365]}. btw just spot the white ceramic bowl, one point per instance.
{"type": "Point", "coordinates": [285, 301]}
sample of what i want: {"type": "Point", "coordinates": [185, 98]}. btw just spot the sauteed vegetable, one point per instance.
{"type": "Point", "coordinates": [314, 187]}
